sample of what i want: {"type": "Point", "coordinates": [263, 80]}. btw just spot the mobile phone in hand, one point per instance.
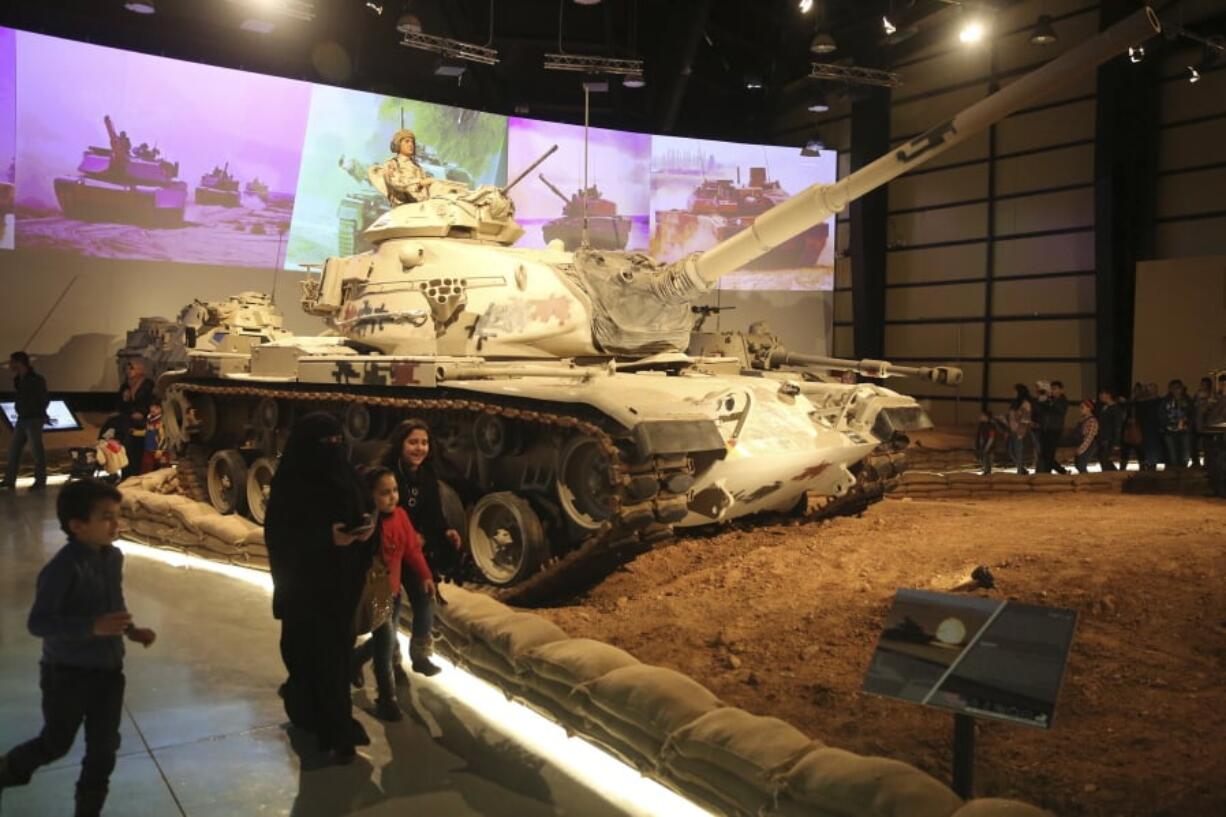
{"type": "Point", "coordinates": [367, 522]}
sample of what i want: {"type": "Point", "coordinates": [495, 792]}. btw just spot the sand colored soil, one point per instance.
{"type": "Point", "coordinates": [782, 619]}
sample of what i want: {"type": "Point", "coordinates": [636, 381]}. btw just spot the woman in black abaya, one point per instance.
{"type": "Point", "coordinates": [318, 572]}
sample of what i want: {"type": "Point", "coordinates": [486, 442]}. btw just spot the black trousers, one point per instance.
{"type": "Point", "coordinates": [1049, 441]}
{"type": "Point", "coordinates": [72, 696]}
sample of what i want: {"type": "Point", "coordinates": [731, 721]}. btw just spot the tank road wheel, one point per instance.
{"type": "Point", "coordinates": [584, 488]}
{"type": "Point", "coordinates": [507, 539]}
{"type": "Point", "coordinates": [259, 481]}
{"type": "Point", "coordinates": [356, 422]}
{"type": "Point", "coordinates": [267, 414]}
{"type": "Point", "coordinates": [494, 436]}
{"type": "Point", "coordinates": [228, 481]}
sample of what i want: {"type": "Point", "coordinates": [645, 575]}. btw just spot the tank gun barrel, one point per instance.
{"type": "Point", "coordinates": [529, 169]}
{"type": "Point", "coordinates": [820, 201]}
{"type": "Point", "coordinates": [945, 375]}
{"type": "Point", "coordinates": [110, 128]}
{"type": "Point", "coordinates": [555, 190]}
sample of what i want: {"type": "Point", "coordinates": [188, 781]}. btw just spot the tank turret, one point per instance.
{"type": "Point", "coordinates": [572, 411]}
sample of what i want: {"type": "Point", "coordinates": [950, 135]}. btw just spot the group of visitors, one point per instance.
{"type": "Point", "coordinates": [341, 546]}
{"type": "Point", "coordinates": [1149, 427]}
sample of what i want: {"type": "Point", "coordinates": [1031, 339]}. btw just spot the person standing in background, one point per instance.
{"type": "Point", "coordinates": [1053, 406]}
{"type": "Point", "coordinates": [1176, 425]}
{"type": "Point", "coordinates": [1087, 430]}
{"type": "Point", "coordinates": [1110, 428]}
{"type": "Point", "coordinates": [135, 397]}
{"type": "Point", "coordinates": [1201, 403]}
{"type": "Point", "coordinates": [32, 401]}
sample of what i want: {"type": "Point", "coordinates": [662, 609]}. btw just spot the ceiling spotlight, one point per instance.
{"type": "Point", "coordinates": [1136, 54]}
{"type": "Point", "coordinates": [823, 43]}
{"type": "Point", "coordinates": [140, 7]}
{"type": "Point", "coordinates": [1193, 74]}
{"type": "Point", "coordinates": [813, 147]}
{"type": "Point", "coordinates": [753, 82]}
{"type": "Point", "coordinates": [889, 27]}
{"type": "Point", "coordinates": [450, 68]}
{"type": "Point", "coordinates": [805, 5]}
{"type": "Point", "coordinates": [596, 86]}
{"type": "Point", "coordinates": [408, 24]}
{"type": "Point", "coordinates": [972, 32]}
{"type": "Point", "coordinates": [587, 2]}
{"type": "Point", "coordinates": [634, 81]}
{"type": "Point", "coordinates": [1043, 33]}
{"type": "Point", "coordinates": [820, 106]}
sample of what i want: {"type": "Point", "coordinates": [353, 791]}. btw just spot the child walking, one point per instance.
{"type": "Point", "coordinates": [80, 614]}
{"type": "Point", "coordinates": [399, 546]}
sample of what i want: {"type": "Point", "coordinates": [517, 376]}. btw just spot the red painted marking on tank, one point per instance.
{"type": "Point", "coordinates": [404, 374]}
{"type": "Point", "coordinates": [811, 472]}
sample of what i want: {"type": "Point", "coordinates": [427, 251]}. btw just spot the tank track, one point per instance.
{"type": "Point", "coordinates": [634, 528]}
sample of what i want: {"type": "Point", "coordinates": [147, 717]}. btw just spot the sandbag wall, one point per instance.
{"type": "Point", "coordinates": [154, 513]}
{"type": "Point", "coordinates": [969, 484]}
{"type": "Point", "coordinates": [673, 729]}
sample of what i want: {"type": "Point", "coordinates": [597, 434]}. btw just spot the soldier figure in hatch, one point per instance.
{"type": "Point", "coordinates": [401, 178]}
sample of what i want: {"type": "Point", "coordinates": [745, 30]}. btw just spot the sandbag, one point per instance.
{"type": "Point", "coordinates": [575, 661]}
{"type": "Point", "coordinates": [229, 529]}
{"type": "Point", "coordinates": [190, 513]}
{"type": "Point", "coordinates": [464, 607]}
{"type": "Point", "coordinates": [756, 749]}
{"type": "Point", "coordinates": [560, 697]}
{"type": "Point", "coordinates": [657, 700]}
{"type": "Point", "coordinates": [993, 807]}
{"type": "Point", "coordinates": [718, 791]}
{"type": "Point", "coordinates": [255, 536]}
{"type": "Point", "coordinates": [219, 547]}
{"type": "Point", "coordinates": [848, 785]}
{"type": "Point", "coordinates": [511, 636]}
{"type": "Point", "coordinates": [641, 757]}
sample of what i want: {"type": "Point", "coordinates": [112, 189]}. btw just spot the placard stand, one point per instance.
{"type": "Point", "coordinates": [964, 756]}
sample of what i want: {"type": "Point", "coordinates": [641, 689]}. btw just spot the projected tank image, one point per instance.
{"type": "Point", "coordinates": [348, 134]}
{"type": "Point", "coordinates": [615, 195]}
{"type": "Point", "coordinates": [577, 417]}
{"type": "Point", "coordinates": [114, 171]}
{"type": "Point", "coordinates": [703, 192]}
{"type": "Point", "coordinates": [219, 186]}
{"type": "Point", "coordinates": [8, 136]}
{"type": "Point", "coordinates": [116, 184]}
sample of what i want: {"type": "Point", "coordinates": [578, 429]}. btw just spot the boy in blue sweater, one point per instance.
{"type": "Point", "coordinates": [80, 614]}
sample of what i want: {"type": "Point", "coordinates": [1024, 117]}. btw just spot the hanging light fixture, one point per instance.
{"type": "Point", "coordinates": [1136, 54]}
{"type": "Point", "coordinates": [823, 43]}
{"type": "Point", "coordinates": [140, 6]}
{"type": "Point", "coordinates": [887, 26]}
{"type": "Point", "coordinates": [1193, 74]}
{"type": "Point", "coordinates": [1043, 33]}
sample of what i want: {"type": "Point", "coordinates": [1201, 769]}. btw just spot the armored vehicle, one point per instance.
{"type": "Point", "coordinates": [606, 230]}
{"type": "Point", "coordinates": [721, 208]}
{"type": "Point", "coordinates": [256, 188]}
{"type": "Point", "coordinates": [566, 412]}
{"type": "Point", "coordinates": [219, 187]}
{"type": "Point", "coordinates": [231, 326]}
{"type": "Point", "coordinates": [116, 185]}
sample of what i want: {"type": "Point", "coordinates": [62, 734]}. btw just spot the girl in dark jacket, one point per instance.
{"type": "Point", "coordinates": [318, 570]}
{"type": "Point", "coordinates": [408, 456]}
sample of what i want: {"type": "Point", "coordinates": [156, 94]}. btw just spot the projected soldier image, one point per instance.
{"type": "Point", "coordinates": [554, 201]}
{"type": "Point", "coordinates": [130, 165]}
{"type": "Point", "coordinates": [703, 192]}
{"type": "Point", "coordinates": [8, 135]}
{"type": "Point", "coordinates": [364, 153]}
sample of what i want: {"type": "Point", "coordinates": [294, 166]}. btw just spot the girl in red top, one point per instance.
{"type": "Point", "coordinates": [399, 545]}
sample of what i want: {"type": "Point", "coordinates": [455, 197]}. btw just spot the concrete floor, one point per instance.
{"type": "Point", "coordinates": [204, 732]}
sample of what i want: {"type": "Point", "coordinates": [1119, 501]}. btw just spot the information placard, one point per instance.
{"type": "Point", "coordinates": [59, 416]}
{"type": "Point", "coordinates": [975, 656]}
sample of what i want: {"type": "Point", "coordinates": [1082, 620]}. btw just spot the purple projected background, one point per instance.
{"type": "Point", "coordinates": [8, 133]}
{"type": "Point", "coordinates": [198, 117]}
{"type": "Point", "coordinates": [704, 191]}
{"type": "Point", "coordinates": [619, 165]}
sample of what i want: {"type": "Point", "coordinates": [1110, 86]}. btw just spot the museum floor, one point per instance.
{"type": "Point", "coordinates": [204, 732]}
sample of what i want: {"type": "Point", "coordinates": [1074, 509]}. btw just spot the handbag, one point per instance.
{"type": "Point", "coordinates": [375, 604]}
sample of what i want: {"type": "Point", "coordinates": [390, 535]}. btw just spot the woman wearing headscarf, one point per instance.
{"type": "Point", "coordinates": [134, 399]}
{"type": "Point", "coordinates": [318, 567]}
{"type": "Point", "coordinates": [408, 456]}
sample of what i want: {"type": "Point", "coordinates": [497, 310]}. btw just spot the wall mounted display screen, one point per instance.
{"type": "Point", "coordinates": [8, 135]}
{"type": "Point", "coordinates": [124, 155]}
{"type": "Point", "coordinates": [703, 192]}
{"type": "Point", "coordinates": [551, 202]}
{"type": "Point", "coordinates": [59, 416]}
{"type": "Point", "coordinates": [348, 132]}
{"type": "Point", "coordinates": [978, 656]}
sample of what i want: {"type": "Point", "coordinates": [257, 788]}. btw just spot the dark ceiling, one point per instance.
{"type": "Point", "coordinates": [349, 44]}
